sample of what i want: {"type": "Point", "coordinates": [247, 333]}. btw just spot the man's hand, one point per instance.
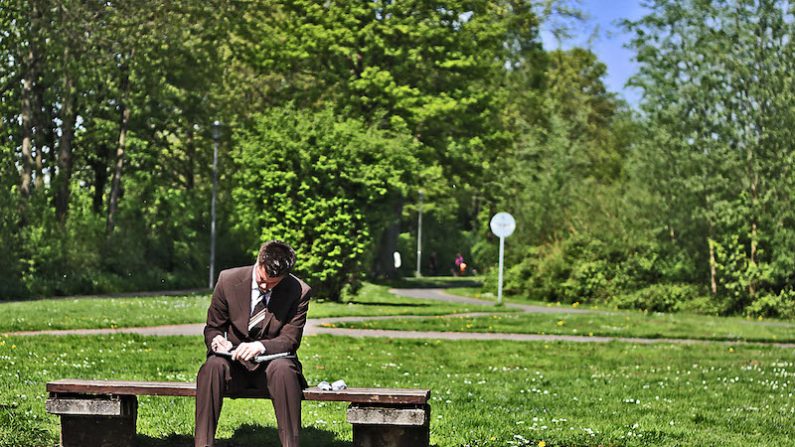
{"type": "Point", "coordinates": [220, 344]}
{"type": "Point", "coordinates": [247, 351]}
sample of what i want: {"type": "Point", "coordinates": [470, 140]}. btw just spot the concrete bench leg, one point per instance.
{"type": "Point", "coordinates": [375, 426]}
{"type": "Point", "coordinates": [96, 421]}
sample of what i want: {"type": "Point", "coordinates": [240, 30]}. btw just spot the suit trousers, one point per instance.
{"type": "Point", "coordinates": [219, 376]}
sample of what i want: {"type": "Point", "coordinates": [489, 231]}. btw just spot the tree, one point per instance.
{"type": "Point", "coordinates": [715, 77]}
{"type": "Point", "coordinates": [70, 61]}
{"type": "Point", "coordinates": [434, 68]}
{"type": "Point", "coordinates": [322, 183]}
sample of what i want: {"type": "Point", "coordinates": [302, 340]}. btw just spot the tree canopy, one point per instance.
{"type": "Point", "coordinates": [338, 116]}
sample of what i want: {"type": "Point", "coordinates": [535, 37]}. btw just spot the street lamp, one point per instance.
{"type": "Point", "coordinates": [419, 237]}
{"type": "Point", "coordinates": [216, 131]}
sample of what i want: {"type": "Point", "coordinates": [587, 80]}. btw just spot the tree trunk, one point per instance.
{"type": "Point", "coordinates": [44, 125]}
{"type": "Point", "coordinates": [38, 177]}
{"type": "Point", "coordinates": [713, 282]}
{"type": "Point", "coordinates": [100, 168]}
{"type": "Point", "coordinates": [752, 286]}
{"type": "Point", "coordinates": [40, 130]}
{"type": "Point", "coordinates": [68, 119]}
{"type": "Point", "coordinates": [27, 125]}
{"type": "Point", "coordinates": [30, 105]}
{"type": "Point", "coordinates": [190, 152]}
{"type": "Point", "coordinates": [124, 119]}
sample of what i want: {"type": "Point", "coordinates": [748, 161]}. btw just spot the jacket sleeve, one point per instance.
{"type": "Point", "coordinates": [289, 338]}
{"type": "Point", "coordinates": [217, 314]}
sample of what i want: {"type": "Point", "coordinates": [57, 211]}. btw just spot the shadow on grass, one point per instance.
{"type": "Point", "coordinates": [248, 435]}
{"type": "Point", "coordinates": [360, 303]}
{"type": "Point", "coordinates": [431, 282]}
{"type": "Point", "coordinates": [190, 293]}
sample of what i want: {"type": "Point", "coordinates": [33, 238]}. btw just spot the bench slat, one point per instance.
{"type": "Point", "coordinates": [371, 396]}
{"type": "Point", "coordinates": [122, 388]}
{"type": "Point", "coordinates": [398, 396]}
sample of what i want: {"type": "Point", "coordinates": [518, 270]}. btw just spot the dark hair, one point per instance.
{"type": "Point", "coordinates": [277, 257]}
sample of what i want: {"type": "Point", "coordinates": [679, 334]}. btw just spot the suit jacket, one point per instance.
{"type": "Point", "coordinates": [230, 310]}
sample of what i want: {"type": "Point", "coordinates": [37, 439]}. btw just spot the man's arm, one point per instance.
{"type": "Point", "coordinates": [289, 338]}
{"type": "Point", "coordinates": [217, 315]}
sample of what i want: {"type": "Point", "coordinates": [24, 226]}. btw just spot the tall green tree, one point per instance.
{"type": "Point", "coordinates": [107, 101]}
{"type": "Point", "coordinates": [434, 68]}
{"type": "Point", "coordinates": [716, 79]}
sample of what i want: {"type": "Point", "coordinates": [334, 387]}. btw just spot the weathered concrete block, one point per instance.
{"type": "Point", "coordinates": [387, 416]}
{"type": "Point", "coordinates": [91, 407]}
{"type": "Point", "coordinates": [113, 424]}
{"type": "Point", "coordinates": [390, 427]}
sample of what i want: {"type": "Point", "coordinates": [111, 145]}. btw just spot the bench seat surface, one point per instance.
{"type": "Point", "coordinates": [394, 396]}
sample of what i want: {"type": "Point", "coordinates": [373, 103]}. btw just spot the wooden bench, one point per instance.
{"type": "Point", "coordinates": [103, 412]}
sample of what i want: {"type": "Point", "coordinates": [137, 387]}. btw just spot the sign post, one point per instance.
{"type": "Point", "coordinates": [216, 134]}
{"type": "Point", "coordinates": [419, 238]}
{"type": "Point", "coordinates": [502, 225]}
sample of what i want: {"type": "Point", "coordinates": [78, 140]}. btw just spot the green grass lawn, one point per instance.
{"type": "Point", "coordinates": [483, 393]}
{"type": "Point", "coordinates": [89, 313]}
{"type": "Point", "coordinates": [458, 282]}
{"type": "Point", "coordinates": [623, 324]}
{"type": "Point", "coordinates": [484, 294]}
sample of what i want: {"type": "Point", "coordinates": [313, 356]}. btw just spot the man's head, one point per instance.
{"type": "Point", "coordinates": [274, 262]}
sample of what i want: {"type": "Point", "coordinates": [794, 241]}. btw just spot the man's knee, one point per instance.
{"type": "Point", "coordinates": [214, 365]}
{"type": "Point", "coordinates": [280, 370]}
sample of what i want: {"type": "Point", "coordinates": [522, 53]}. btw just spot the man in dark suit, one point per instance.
{"type": "Point", "coordinates": [255, 310]}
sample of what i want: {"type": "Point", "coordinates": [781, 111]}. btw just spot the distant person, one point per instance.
{"type": "Point", "coordinates": [460, 265]}
{"type": "Point", "coordinates": [254, 310]}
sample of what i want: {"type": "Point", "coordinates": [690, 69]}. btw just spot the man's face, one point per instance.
{"type": "Point", "coordinates": [264, 281]}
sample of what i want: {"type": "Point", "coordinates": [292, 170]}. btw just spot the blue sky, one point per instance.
{"type": "Point", "coordinates": [608, 41]}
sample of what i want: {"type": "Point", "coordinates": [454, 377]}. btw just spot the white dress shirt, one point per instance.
{"type": "Point", "coordinates": [255, 291]}
{"type": "Point", "coordinates": [255, 297]}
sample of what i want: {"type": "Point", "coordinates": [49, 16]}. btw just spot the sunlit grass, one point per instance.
{"type": "Point", "coordinates": [106, 312]}
{"type": "Point", "coordinates": [623, 324]}
{"type": "Point", "coordinates": [483, 393]}
{"type": "Point", "coordinates": [484, 293]}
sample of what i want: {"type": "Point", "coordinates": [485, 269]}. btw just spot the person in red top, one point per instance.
{"type": "Point", "coordinates": [460, 265]}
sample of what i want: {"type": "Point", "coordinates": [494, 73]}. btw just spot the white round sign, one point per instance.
{"type": "Point", "coordinates": [502, 224]}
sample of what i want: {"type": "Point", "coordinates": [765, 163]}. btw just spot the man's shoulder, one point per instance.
{"type": "Point", "coordinates": [235, 274]}
{"type": "Point", "coordinates": [298, 284]}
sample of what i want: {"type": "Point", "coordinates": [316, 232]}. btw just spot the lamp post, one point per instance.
{"type": "Point", "coordinates": [216, 131]}
{"type": "Point", "coordinates": [419, 237]}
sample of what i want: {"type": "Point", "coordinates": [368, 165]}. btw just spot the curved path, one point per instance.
{"type": "Point", "coordinates": [325, 326]}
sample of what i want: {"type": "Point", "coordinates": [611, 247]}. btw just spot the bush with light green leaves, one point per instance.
{"type": "Point", "coordinates": [323, 184]}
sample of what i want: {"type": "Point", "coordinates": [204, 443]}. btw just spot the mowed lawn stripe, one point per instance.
{"type": "Point", "coordinates": [623, 324]}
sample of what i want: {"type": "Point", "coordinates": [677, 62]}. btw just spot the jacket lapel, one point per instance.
{"type": "Point", "coordinates": [279, 302]}
{"type": "Point", "coordinates": [241, 300]}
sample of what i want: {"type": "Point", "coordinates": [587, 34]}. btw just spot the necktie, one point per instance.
{"type": "Point", "coordinates": [258, 313]}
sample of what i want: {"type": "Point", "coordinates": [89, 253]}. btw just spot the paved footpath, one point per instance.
{"type": "Point", "coordinates": [324, 326]}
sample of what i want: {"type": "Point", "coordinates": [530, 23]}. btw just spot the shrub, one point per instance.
{"type": "Point", "coordinates": [572, 270]}
{"type": "Point", "coordinates": [658, 297]}
{"type": "Point", "coordinates": [774, 305]}
{"type": "Point", "coordinates": [704, 305]}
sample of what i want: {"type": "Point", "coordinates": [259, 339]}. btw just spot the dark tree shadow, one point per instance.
{"type": "Point", "coordinates": [172, 440]}
{"type": "Point", "coordinates": [249, 435]}
{"type": "Point", "coordinates": [428, 283]}
{"type": "Point", "coordinates": [390, 304]}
